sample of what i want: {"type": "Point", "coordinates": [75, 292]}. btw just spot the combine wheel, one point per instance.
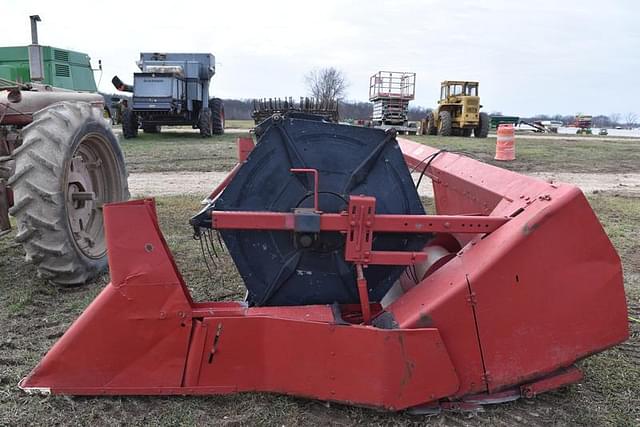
{"type": "Point", "coordinates": [432, 125]}
{"type": "Point", "coordinates": [482, 130]}
{"type": "Point", "coordinates": [444, 128]}
{"type": "Point", "coordinates": [129, 124]}
{"type": "Point", "coordinates": [205, 124]}
{"type": "Point", "coordinates": [216, 107]}
{"type": "Point", "coordinates": [68, 166]}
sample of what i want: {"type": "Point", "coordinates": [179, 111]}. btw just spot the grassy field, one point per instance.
{"type": "Point", "coordinates": [35, 314]}
{"type": "Point", "coordinates": [239, 124]}
{"type": "Point", "coordinates": [559, 154]}
{"type": "Point", "coordinates": [178, 150]}
{"type": "Point", "coordinates": [175, 150]}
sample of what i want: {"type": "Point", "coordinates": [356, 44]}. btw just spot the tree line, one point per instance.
{"type": "Point", "coordinates": [330, 84]}
{"type": "Point", "coordinates": [240, 109]}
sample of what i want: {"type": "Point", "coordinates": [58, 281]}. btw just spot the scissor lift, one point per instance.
{"type": "Point", "coordinates": [390, 92]}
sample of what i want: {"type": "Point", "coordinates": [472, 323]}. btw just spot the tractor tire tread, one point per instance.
{"type": "Point", "coordinates": [482, 130]}
{"type": "Point", "coordinates": [129, 125]}
{"type": "Point", "coordinates": [445, 128]}
{"type": "Point", "coordinates": [40, 207]}
{"type": "Point", "coordinates": [204, 123]}
{"type": "Point", "coordinates": [216, 106]}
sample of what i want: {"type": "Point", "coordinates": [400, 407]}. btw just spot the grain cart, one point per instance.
{"type": "Point", "coordinates": [59, 160]}
{"type": "Point", "coordinates": [355, 295]}
{"type": "Point", "coordinates": [172, 89]}
{"type": "Point", "coordinates": [458, 112]}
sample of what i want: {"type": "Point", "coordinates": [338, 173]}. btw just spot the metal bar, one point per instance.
{"type": "Point", "coordinates": [561, 378]}
{"type": "Point", "coordinates": [339, 222]}
{"type": "Point", "coordinates": [223, 220]}
{"type": "Point", "coordinates": [363, 294]}
{"type": "Point", "coordinates": [441, 223]}
{"type": "Point", "coordinates": [396, 258]}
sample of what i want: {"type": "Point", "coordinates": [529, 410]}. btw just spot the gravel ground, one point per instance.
{"type": "Point", "coordinates": [146, 184]}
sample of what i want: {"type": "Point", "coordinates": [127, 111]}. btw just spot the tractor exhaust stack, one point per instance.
{"type": "Point", "coordinates": [36, 67]}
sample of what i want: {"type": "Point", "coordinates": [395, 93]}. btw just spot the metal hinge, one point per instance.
{"type": "Point", "coordinates": [471, 299]}
{"type": "Point", "coordinates": [486, 377]}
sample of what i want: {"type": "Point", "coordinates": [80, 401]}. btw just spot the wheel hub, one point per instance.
{"type": "Point", "coordinates": [87, 187]}
{"type": "Point", "coordinates": [80, 195]}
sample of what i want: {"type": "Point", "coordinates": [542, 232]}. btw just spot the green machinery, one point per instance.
{"type": "Point", "coordinates": [497, 120]}
{"type": "Point", "coordinates": [62, 68]}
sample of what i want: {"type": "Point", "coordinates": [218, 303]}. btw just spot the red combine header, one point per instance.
{"type": "Point", "coordinates": [355, 295]}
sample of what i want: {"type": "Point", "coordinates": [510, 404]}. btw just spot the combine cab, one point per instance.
{"type": "Point", "coordinates": [458, 112]}
{"type": "Point", "coordinates": [355, 295]}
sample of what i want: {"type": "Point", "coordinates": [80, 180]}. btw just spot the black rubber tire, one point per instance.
{"type": "Point", "coordinates": [432, 125]}
{"type": "Point", "coordinates": [41, 190]}
{"type": "Point", "coordinates": [444, 128]}
{"type": "Point", "coordinates": [217, 116]}
{"type": "Point", "coordinates": [466, 132]}
{"type": "Point", "coordinates": [482, 130]}
{"type": "Point", "coordinates": [129, 124]}
{"type": "Point", "coordinates": [151, 128]}
{"type": "Point", "coordinates": [204, 123]}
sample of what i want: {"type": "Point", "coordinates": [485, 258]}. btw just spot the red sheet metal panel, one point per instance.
{"type": "Point", "coordinates": [546, 287]}
{"type": "Point", "coordinates": [393, 369]}
{"type": "Point", "coordinates": [443, 301]}
{"type": "Point", "coordinates": [136, 332]}
{"type": "Point", "coordinates": [554, 283]}
{"type": "Point", "coordinates": [143, 335]}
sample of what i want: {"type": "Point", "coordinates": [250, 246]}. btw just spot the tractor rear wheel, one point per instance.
{"type": "Point", "coordinates": [482, 130]}
{"type": "Point", "coordinates": [129, 124]}
{"type": "Point", "coordinates": [444, 128]}
{"type": "Point", "coordinates": [216, 106]}
{"type": "Point", "coordinates": [67, 167]}
{"type": "Point", "coordinates": [432, 125]}
{"type": "Point", "coordinates": [205, 124]}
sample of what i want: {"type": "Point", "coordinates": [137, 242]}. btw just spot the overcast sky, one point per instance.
{"type": "Point", "coordinates": [530, 56]}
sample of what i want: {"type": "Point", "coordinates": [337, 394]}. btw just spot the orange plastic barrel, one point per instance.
{"type": "Point", "coordinates": [506, 143]}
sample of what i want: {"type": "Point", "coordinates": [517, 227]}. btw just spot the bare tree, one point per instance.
{"type": "Point", "coordinates": [326, 84]}
{"type": "Point", "coordinates": [615, 119]}
{"type": "Point", "coordinates": [631, 120]}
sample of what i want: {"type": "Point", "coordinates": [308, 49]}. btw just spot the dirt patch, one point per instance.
{"type": "Point", "coordinates": [201, 183]}
{"type": "Point", "coordinates": [627, 183]}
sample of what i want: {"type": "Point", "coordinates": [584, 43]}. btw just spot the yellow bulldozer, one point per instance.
{"type": "Point", "coordinates": [458, 112]}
